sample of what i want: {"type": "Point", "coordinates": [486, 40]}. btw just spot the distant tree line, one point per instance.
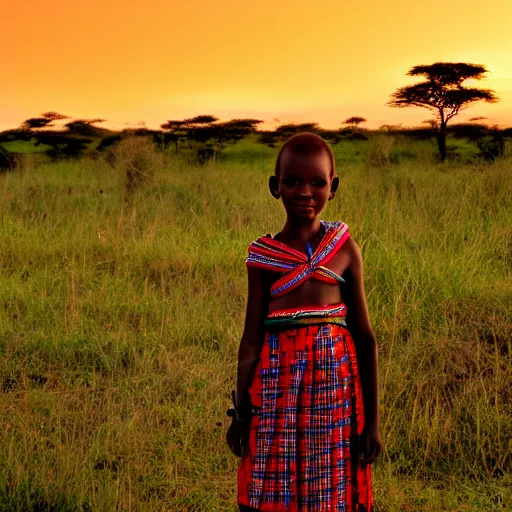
{"type": "Point", "coordinates": [441, 92]}
{"type": "Point", "coordinates": [205, 134]}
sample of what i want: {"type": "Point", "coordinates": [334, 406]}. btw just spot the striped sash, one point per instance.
{"type": "Point", "coordinates": [297, 266]}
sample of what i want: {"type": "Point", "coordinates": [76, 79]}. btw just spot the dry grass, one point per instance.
{"type": "Point", "coordinates": [121, 321]}
{"type": "Point", "coordinates": [137, 161]}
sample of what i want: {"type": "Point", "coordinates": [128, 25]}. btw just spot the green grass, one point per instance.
{"type": "Point", "coordinates": [121, 321]}
{"type": "Point", "coordinates": [24, 146]}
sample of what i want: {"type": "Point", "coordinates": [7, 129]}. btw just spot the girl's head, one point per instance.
{"type": "Point", "coordinates": [305, 175]}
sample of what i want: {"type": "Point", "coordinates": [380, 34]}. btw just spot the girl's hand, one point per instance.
{"type": "Point", "coordinates": [370, 445]}
{"type": "Point", "coordinates": [237, 437]}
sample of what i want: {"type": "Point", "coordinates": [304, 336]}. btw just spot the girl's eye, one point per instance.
{"type": "Point", "coordinates": [290, 181]}
{"type": "Point", "coordinates": [320, 183]}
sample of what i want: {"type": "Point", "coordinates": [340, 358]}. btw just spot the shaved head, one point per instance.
{"type": "Point", "coordinates": [306, 143]}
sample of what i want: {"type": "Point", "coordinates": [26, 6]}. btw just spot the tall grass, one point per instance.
{"type": "Point", "coordinates": [121, 321]}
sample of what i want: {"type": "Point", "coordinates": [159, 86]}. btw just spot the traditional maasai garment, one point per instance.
{"type": "Point", "coordinates": [307, 400]}
{"type": "Point", "coordinates": [270, 254]}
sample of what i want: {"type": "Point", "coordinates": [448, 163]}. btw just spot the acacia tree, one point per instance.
{"type": "Point", "coordinates": [178, 130]}
{"type": "Point", "coordinates": [70, 142]}
{"type": "Point", "coordinates": [352, 130]}
{"type": "Point", "coordinates": [45, 121]}
{"type": "Point", "coordinates": [443, 93]}
{"type": "Point", "coordinates": [354, 121]}
{"type": "Point", "coordinates": [284, 131]}
{"type": "Point", "coordinates": [85, 127]}
{"type": "Point", "coordinates": [212, 136]}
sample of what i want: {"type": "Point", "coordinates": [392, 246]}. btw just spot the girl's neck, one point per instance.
{"type": "Point", "coordinates": [306, 231]}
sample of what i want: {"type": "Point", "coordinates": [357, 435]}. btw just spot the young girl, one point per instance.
{"type": "Point", "coordinates": [308, 354]}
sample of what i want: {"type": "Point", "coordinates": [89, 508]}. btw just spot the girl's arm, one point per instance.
{"type": "Point", "coordinates": [252, 337]}
{"type": "Point", "coordinates": [358, 323]}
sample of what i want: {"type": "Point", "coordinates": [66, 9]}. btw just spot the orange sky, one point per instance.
{"type": "Point", "coordinates": [294, 60]}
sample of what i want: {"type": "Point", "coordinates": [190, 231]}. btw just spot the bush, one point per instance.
{"type": "Point", "coordinates": [137, 159]}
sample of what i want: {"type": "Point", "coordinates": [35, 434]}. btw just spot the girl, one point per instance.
{"type": "Point", "coordinates": [308, 354]}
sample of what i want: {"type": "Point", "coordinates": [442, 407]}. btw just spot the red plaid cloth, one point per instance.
{"type": "Point", "coordinates": [303, 452]}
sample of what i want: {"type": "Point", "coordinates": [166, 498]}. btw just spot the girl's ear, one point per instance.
{"type": "Point", "coordinates": [334, 186]}
{"type": "Point", "coordinates": [273, 185]}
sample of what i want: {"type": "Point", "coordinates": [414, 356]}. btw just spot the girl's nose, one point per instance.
{"type": "Point", "coordinates": [305, 190]}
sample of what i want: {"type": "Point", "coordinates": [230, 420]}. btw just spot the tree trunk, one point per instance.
{"type": "Point", "coordinates": [441, 140]}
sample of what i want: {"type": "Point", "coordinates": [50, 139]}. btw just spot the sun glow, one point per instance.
{"type": "Point", "coordinates": [266, 60]}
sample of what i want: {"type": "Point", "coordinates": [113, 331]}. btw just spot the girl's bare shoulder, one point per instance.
{"type": "Point", "coordinates": [347, 261]}
{"type": "Point", "coordinates": [355, 257]}
{"type": "Point", "coordinates": [352, 247]}
{"type": "Point", "coordinates": [346, 256]}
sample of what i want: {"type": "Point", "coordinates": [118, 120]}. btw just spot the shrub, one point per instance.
{"type": "Point", "coordinates": [137, 159]}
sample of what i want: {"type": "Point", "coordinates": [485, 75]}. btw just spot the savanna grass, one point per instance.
{"type": "Point", "coordinates": [121, 321]}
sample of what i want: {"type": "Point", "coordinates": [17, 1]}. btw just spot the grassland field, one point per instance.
{"type": "Point", "coordinates": [120, 320]}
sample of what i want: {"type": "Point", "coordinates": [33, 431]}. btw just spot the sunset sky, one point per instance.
{"type": "Point", "coordinates": [293, 61]}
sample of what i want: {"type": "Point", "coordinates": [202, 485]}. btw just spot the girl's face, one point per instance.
{"type": "Point", "coordinates": [304, 183]}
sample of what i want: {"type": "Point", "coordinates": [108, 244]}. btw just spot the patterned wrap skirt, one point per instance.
{"type": "Point", "coordinates": [307, 416]}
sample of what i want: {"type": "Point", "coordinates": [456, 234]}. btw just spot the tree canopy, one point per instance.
{"type": "Point", "coordinates": [44, 121]}
{"type": "Point", "coordinates": [354, 120]}
{"type": "Point", "coordinates": [207, 131]}
{"type": "Point", "coordinates": [442, 92]}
